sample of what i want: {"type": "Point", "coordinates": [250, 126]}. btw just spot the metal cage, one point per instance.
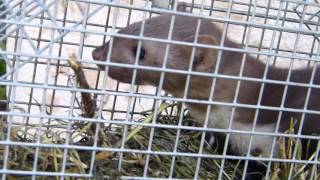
{"type": "Point", "coordinates": [136, 132]}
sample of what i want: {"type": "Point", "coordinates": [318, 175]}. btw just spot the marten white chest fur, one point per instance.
{"type": "Point", "coordinates": [152, 54]}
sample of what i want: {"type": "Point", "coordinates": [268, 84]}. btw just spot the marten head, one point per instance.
{"type": "Point", "coordinates": [153, 53]}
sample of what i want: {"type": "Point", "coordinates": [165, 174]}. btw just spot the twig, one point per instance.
{"type": "Point", "coordinates": [88, 103]}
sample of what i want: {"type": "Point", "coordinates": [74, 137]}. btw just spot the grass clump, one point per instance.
{"type": "Point", "coordinates": [291, 148]}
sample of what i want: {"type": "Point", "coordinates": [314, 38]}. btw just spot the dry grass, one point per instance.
{"type": "Point", "coordinates": [106, 162]}
{"type": "Point", "coordinates": [287, 147]}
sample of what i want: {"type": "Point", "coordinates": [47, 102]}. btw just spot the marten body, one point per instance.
{"type": "Point", "coordinates": [152, 54]}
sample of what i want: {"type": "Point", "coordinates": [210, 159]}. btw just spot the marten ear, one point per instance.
{"type": "Point", "coordinates": [204, 58]}
{"type": "Point", "coordinates": [182, 7]}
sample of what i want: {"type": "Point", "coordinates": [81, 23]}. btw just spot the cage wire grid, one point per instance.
{"type": "Point", "coordinates": [45, 117]}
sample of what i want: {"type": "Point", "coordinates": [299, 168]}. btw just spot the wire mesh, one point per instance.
{"type": "Point", "coordinates": [146, 132]}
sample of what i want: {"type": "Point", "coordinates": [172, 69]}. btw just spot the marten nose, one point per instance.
{"type": "Point", "coordinates": [98, 53]}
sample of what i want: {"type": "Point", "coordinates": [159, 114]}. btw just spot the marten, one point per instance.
{"type": "Point", "coordinates": [205, 60]}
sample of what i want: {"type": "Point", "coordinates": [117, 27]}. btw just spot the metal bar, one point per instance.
{"type": "Point", "coordinates": [254, 15]}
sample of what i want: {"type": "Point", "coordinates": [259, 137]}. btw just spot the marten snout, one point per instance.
{"type": "Point", "coordinates": [119, 54]}
{"type": "Point", "coordinates": [100, 54]}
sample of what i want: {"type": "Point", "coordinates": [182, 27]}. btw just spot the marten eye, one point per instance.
{"type": "Point", "coordinates": [142, 52]}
